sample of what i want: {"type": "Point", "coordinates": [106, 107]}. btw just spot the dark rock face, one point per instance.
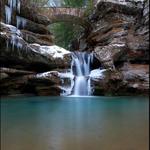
{"type": "Point", "coordinates": [16, 82]}
{"type": "Point", "coordinates": [131, 79]}
{"type": "Point", "coordinates": [31, 37]}
{"type": "Point", "coordinates": [120, 36]}
{"type": "Point", "coordinates": [27, 49]}
{"type": "Point", "coordinates": [119, 40]}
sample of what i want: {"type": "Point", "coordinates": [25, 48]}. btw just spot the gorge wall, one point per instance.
{"type": "Point", "coordinates": [119, 40]}
{"type": "Point", "coordinates": [26, 50]}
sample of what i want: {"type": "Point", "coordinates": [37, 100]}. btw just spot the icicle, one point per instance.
{"type": "Point", "coordinates": [14, 4]}
{"type": "Point", "coordinates": [19, 45]}
{"type": "Point", "coordinates": [10, 3]}
{"type": "Point", "coordinates": [21, 22]}
{"type": "Point", "coordinates": [7, 44]}
{"type": "Point", "coordinates": [8, 13]}
{"type": "Point", "coordinates": [13, 41]}
{"type": "Point", "coordinates": [92, 57]}
{"type": "Point", "coordinates": [18, 6]}
{"type": "Point", "coordinates": [13, 29]}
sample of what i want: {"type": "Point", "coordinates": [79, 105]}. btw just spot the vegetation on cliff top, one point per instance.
{"type": "Point", "coordinates": [65, 33]}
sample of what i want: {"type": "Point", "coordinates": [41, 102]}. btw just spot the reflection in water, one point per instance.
{"type": "Point", "coordinates": [59, 123]}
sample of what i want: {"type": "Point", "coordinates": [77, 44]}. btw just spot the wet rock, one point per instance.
{"type": "Point", "coordinates": [14, 47]}
{"type": "Point", "coordinates": [41, 39]}
{"type": "Point", "coordinates": [136, 76]}
{"type": "Point", "coordinates": [120, 34]}
{"type": "Point", "coordinates": [131, 79]}
{"type": "Point", "coordinates": [30, 84]}
{"type": "Point", "coordinates": [34, 15]}
{"type": "Point", "coordinates": [15, 72]}
{"type": "Point", "coordinates": [108, 54]}
{"type": "Point", "coordinates": [34, 27]}
{"type": "Point", "coordinates": [3, 75]}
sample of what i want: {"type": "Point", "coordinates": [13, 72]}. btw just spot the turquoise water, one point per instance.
{"type": "Point", "coordinates": [69, 123]}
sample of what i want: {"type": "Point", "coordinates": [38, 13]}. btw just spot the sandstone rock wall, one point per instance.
{"type": "Point", "coordinates": [120, 37]}
{"type": "Point", "coordinates": [27, 49]}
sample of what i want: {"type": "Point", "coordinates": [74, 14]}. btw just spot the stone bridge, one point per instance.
{"type": "Point", "coordinates": [67, 14]}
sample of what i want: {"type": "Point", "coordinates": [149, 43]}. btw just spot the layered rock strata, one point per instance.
{"type": "Point", "coordinates": [27, 49]}
{"type": "Point", "coordinates": [120, 37]}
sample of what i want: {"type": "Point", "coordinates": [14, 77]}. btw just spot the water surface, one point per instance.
{"type": "Point", "coordinates": [69, 123]}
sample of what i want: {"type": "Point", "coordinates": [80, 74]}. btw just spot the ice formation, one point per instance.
{"type": "Point", "coordinates": [21, 22]}
{"type": "Point", "coordinates": [54, 51]}
{"type": "Point", "coordinates": [12, 5]}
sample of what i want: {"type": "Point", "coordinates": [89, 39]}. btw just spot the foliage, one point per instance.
{"type": "Point", "coordinates": [74, 3]}
{"type": "Point", "coordinates": [64, 33]}
{"type": "Point", "coordinates": [89, 7]}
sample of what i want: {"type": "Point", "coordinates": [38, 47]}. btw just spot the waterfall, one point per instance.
{"type": "Point", "coordinates": [80, 68]}
{"type": "Point", "coordinates": [77, 80]}
{"type": "Point", "coordinates": [78, 76]}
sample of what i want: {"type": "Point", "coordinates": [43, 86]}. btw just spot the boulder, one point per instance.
{"type": "Point", "coordinates": [41, 39]}
{"type": "Point", "coordinates": [33, 27]}
{"type": "Point", "coordinates": [131, 79]}
{"type": "Point", "coordinates": [107, 55]}
{"type": "Point", "coordinates": [34, 84]}
{"type": "Point", "coordinates": [16, 49]}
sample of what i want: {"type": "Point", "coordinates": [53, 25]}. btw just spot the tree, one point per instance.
{"type": "Point", "coordinates": [65, 32]}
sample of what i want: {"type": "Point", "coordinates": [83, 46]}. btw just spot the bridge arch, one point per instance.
{"type": "Point", "coordinates": [67, 14]}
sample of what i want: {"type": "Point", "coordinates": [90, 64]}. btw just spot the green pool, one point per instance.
{"type": "Point", "coordinates": [74, 123]}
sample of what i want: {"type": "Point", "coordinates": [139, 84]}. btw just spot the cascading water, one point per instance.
{"type": "Point", "coordinates": [81, 69]}
{"type": "Point", "coordinates": [79, 76]}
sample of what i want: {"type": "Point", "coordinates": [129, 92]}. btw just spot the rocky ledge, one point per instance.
{"type": "Point", "coordinates": [26, 50]}
{"type": "Point", "coordinates": [119, 38]}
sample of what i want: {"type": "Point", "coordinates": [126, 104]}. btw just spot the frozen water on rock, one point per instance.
{"type": "Point", "coordinates": [21, 22]}
{"type": "Point", "coordinates": [54, 51]}
{"type": "Point", "coordinates": [46, 74]}
{"type": "Point", "coordinates": [18, 6]}
{"type": "Point", "coordinates": [67, 89]}
{"type": "Point", "coordinates": [66, 75]}
{"type": "Point", "coordinates": [13, 41]}
{"type": "Point", "coordinates": [12, 5]}
{"type": "Point", "coordinates": [3, 33]}
{"type": "Point", "coordinates": [11, 28]}
{"type": "Point", "coordinates": [97, 73]}
{"type": "Point", "coordinates": [8, 12]}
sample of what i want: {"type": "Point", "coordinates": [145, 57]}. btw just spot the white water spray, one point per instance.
{"type": "Point", "coordinates": [81, 70]}
{"type": "Point", "coordinates": [80, 75]}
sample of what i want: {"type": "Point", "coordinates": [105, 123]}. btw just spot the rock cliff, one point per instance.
{"type": "Point", "coordinates": [27, 49]}
{"type": "Point", "coordinates": [118, 38]}
{"type": "Point", "coordinates": [120, 42]}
